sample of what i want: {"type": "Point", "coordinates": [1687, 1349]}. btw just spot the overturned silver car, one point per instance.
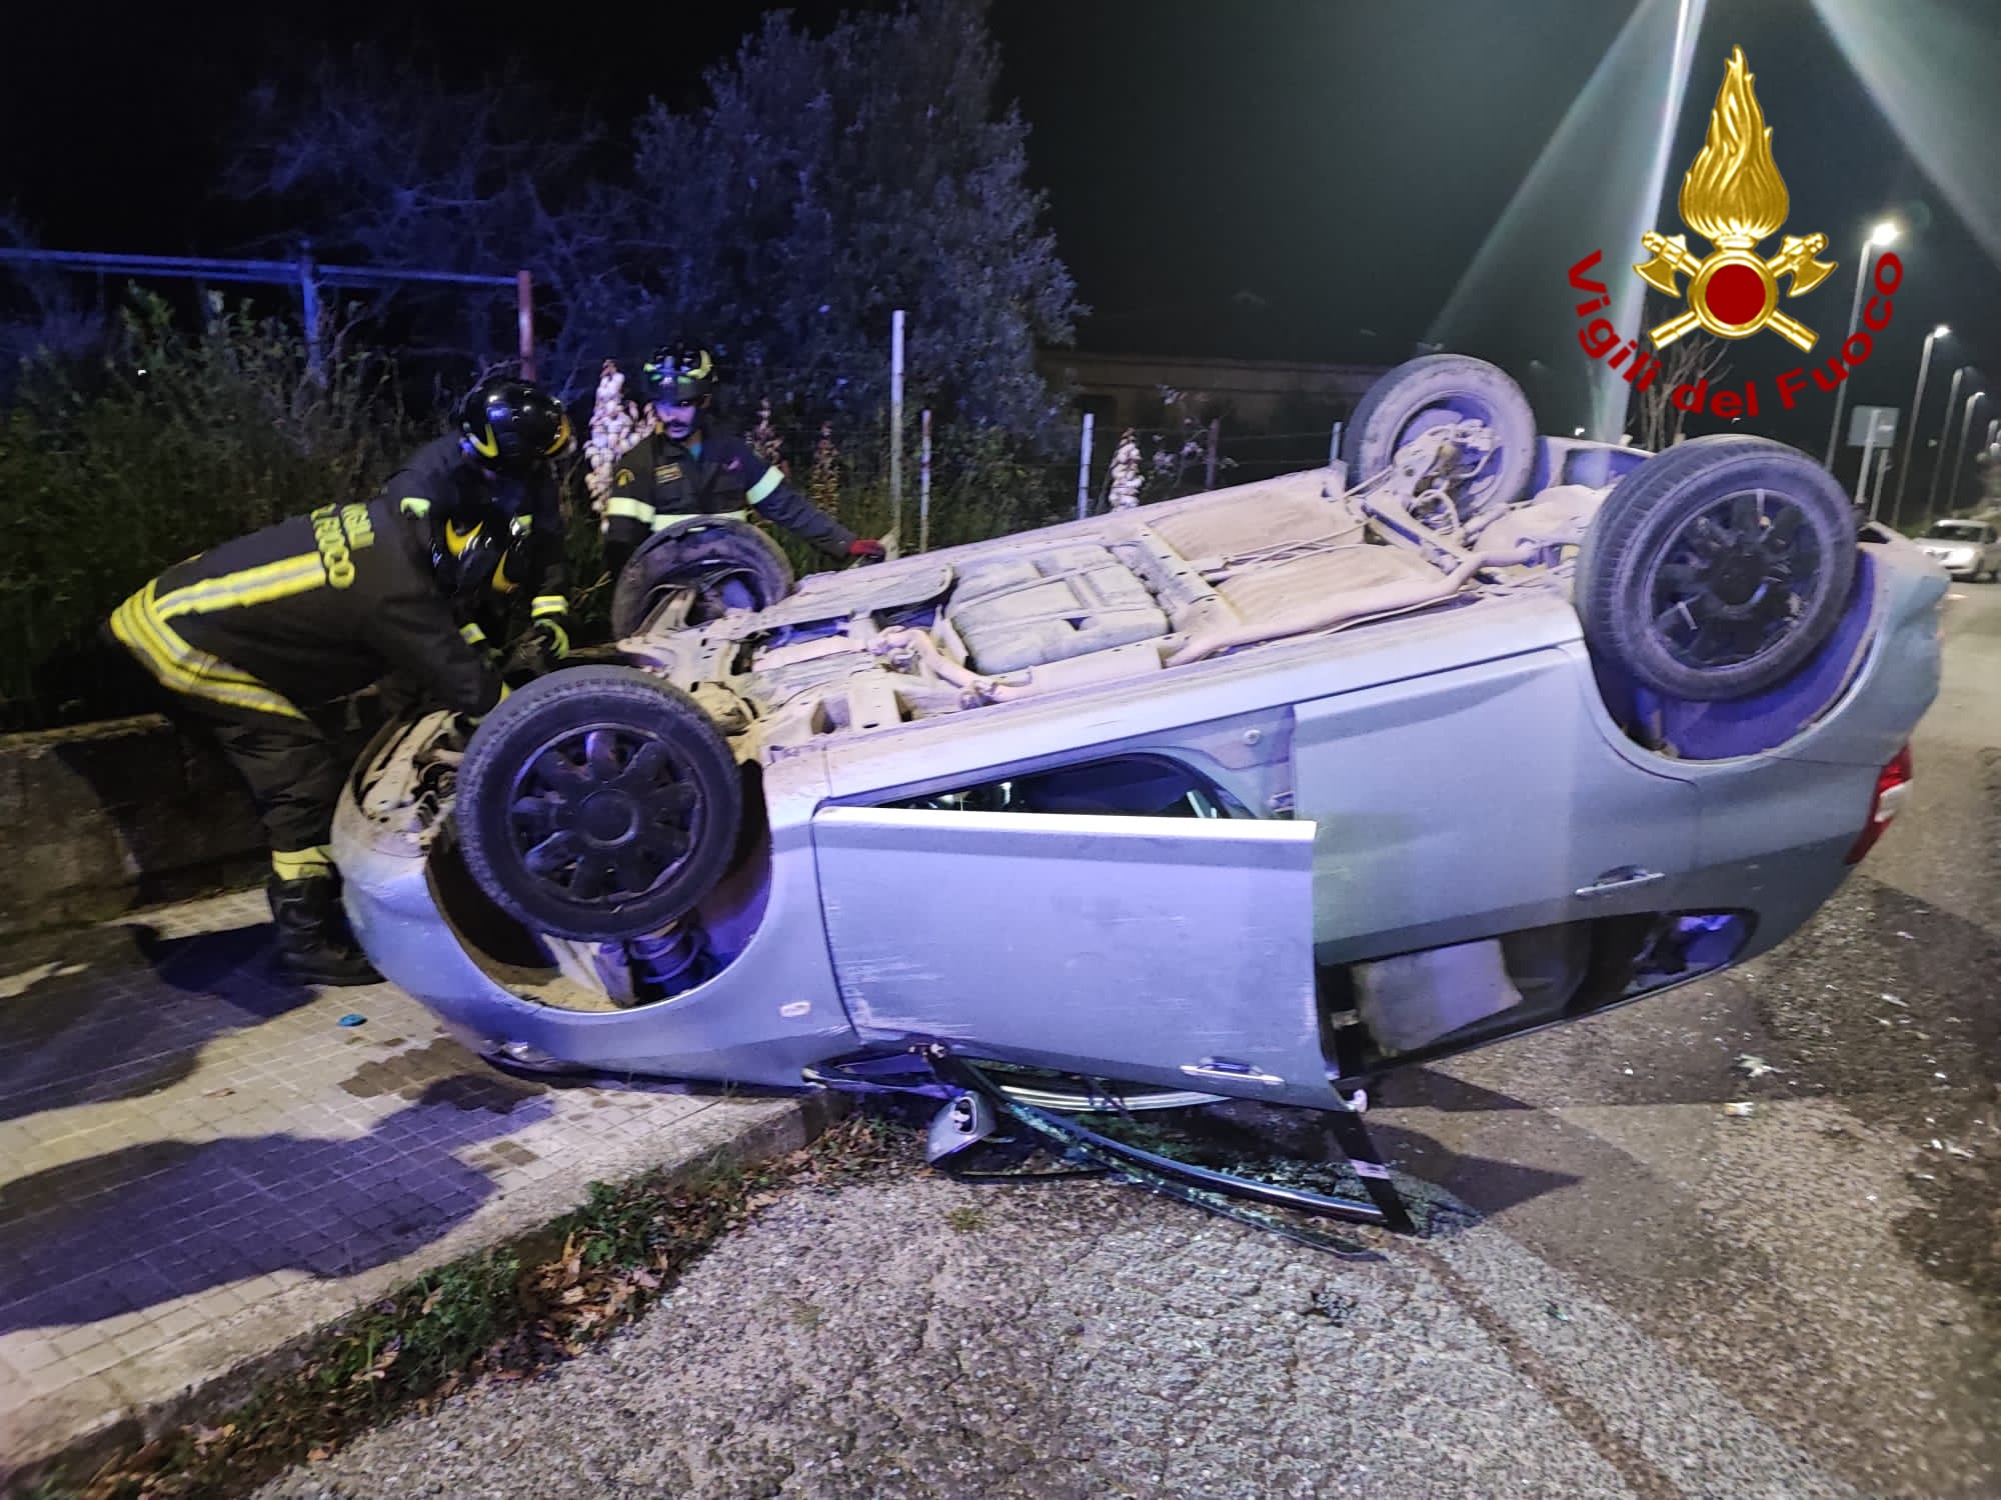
{"type": "Point", "coordinates": [1259, 793]}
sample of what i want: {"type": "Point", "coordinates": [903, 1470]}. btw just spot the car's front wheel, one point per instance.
{"type": "Point", "coordinates": [598, 803]}
{"type": "Point", "coordinates": [1715, 570]}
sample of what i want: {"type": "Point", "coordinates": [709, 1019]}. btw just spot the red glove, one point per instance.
{"type": "Point", "coordinates": [864, 548]}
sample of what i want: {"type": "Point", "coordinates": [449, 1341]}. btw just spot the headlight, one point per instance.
{"type": "Point", "coordinates": [1959, 557]}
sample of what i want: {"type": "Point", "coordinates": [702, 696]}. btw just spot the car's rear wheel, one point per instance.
{"type": "Point", "coordinates": [1441, 390]}
{"type": "Point", "coordinates": [699, 568]}
{"type": "Point", "coordinates": [598, 803]}
{"type": "Point", "coordinates": [1716, 569]}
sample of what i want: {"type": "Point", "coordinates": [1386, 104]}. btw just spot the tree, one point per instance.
{"type": "Point", "coordinates": [832, 180]}
{"type": "Point", "coordinates": [1696, 356]}
{"type": "Point", "coordinates": [382, 161]}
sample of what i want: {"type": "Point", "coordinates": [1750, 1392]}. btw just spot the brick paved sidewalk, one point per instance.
{"type": "Point", "coordinates": [198, 1163]}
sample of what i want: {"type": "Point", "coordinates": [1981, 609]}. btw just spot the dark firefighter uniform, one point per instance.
{"type": "Point", "coordinates": [249, 634]}
{"type": "Point", "coordinates": [443, 484]}
{"type": "Point", "coordinates": [714, 473]}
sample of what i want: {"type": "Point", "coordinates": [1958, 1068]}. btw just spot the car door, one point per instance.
{"type": "Point", "coordinates": [1175, 951]}
{"type": "Point", "coordinates": [1487, 799]}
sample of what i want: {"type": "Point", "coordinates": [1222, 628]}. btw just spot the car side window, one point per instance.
{"type": "Point", "coordinates": [1129, 785]}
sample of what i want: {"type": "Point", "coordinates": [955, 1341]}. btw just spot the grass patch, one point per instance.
{"type": "Point", "coordinates": [966, 1220]}
{"type": "Point", "coordinates": [505, 1314]}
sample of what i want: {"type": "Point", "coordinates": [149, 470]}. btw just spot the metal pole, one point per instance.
{"type": "Point", "coordinates": [1862, 475]}
{"type": "Point", "coordinates": [309, 296]}
{"type": "Point", "coordinates": [1882, 468]}
{"type": "Point", "coordinates": [1215, 432]}
{"type": "Point", "coordinates": [524, 321]}
{"type": "Point", "coordinates": [1084, 469]}
{"type": "Point", "coordinates": [1944, 431]}
{"type": "Point", "coordinates": [1911, 435]}
{"type": "Point", "coordinates": [924, 484]}
{"type": "Point", "coordinates": [895, 420]}
{"type": "Point", "coordinates": [1334, 446]}
{"type": "Point", "coordinates": [1959, 448]}
{"type": "Point", "coordinates": [1841, 390]}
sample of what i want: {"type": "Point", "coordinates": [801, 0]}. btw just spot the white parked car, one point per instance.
{"type": "Point", "coordinates": [1965, 549]}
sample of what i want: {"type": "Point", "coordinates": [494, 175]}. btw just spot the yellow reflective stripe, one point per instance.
{"type": "Point", "coordinates": [490, 448]}
{"type": "Point", "coordinates": [561, 636]}
{"type": "Point", "coordinates": [473, 634]}
{"type": "Point", "coordinates": [291, 575]}
{"type": "Point", "coordinates": [661, 523]}
{"type": "Point", "coordinates": [301, 864]}
{"type": "Point", "coordinates": [548, 604]}
{"type": "Point", "coordinates": [763, 488]}
{"type": "Point", "coordinates": [152, 636]}
{"type": "Point", "coordinates": [182, 669]}
{"type": "Point", "coordinates": [520, 524]}
{"type": "Point", "coordinates": [416, 505]}
{"type": "Point", "coordinates": [620, 505]}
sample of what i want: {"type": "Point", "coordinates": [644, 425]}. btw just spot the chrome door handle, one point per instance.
{"type": "Point", "coordinates": [1628, 878]}
{"type": "Point", "coordinates": [1211, 1067]}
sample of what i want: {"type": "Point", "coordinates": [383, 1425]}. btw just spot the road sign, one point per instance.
{"type": "Point", "coordinates": [1872, 426]}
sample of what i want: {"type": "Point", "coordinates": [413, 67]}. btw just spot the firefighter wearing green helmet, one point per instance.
{"type": "Point", "coordinates": [689, 466]}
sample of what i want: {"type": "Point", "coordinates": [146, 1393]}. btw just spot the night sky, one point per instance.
{"type": "Point", "coordinates": [1279, 178]}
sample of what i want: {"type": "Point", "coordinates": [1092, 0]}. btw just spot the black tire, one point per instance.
{"type": "Point", "coordinates": [598, 803]}
{"type": "Point", "coordinates": [1716, 569]}
{"type": "Point", "coordinates": [1438, 388]}
{"type": "Point", "coordinates": [711, 555]}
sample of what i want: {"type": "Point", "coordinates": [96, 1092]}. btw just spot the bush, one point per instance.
{"type": "Point", "coordinates": [984, 484]}
{"type": "Point", "coordinates": [114, 470]}
{"type": "Point", "coordinates": [170, 445]}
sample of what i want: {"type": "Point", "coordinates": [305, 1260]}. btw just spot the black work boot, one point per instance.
{"type": "Point", "coordinates": [314, 944]}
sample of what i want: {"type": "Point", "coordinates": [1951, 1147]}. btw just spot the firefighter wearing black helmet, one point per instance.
{"type": "Point", "coordinates": [250, 637]}
{"type": "Point", "coordinates": [689, 467]}
{"type": "Point", "coordinates": [494, 480]}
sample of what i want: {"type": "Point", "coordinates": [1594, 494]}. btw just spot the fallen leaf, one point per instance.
{"type": "Point", "coordinates": [318, 1455]}
{"type": "Point", "coordinates": [1739, 1107]}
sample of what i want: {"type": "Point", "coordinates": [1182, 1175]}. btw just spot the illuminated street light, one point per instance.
{"type": "Point", "coordinates": [1884, 232]}
{"type": "Point", "coordinates": [1911, 427]}
{"type": "Point", "coordinates": [1959, 448]}
{"type": "Point", "coordinates": [1944, 432]}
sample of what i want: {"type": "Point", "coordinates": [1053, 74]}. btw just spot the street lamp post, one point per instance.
{"type": "Point", "coordinates": [1911, 426]}
{"type": "Point", "coordinates": [1959, 448]}
{"type": "Point", "coordinates": [1879, 237]}
{"type": "Point", "coordinates": [1944, 432]}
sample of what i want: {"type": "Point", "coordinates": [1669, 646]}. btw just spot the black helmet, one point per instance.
{"type": "Point", "coordinates": [512, 425]}
{"type": "Point", "coordinates": [465, 558]}
{"type": "Point", "coordinates": [471, 560]}
{"type": "Point", "coordinates": [679, 373]}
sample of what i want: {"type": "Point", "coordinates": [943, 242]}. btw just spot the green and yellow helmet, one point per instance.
{"type": "Point", "coordinates": [512, 425]}
{"type": "Point", "coordinates": [679, 374]}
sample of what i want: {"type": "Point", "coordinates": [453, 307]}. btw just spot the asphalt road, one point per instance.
{"type": "Point", "coordinates": [1658, 1298]}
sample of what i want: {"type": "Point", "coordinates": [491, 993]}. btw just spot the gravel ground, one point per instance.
{"type": "Point", "coordinates": [1081, 1340]}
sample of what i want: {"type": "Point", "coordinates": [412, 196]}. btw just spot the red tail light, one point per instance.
{"type": "Point", "coordinates": [1891, 784]}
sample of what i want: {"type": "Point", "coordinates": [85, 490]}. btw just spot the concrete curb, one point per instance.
{"type": "Point", "coordinates": [257, 1350]}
